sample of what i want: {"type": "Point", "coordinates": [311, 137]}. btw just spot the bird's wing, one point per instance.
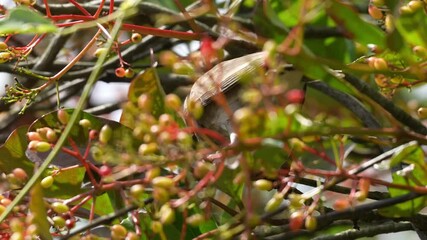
{"type": "Point", "coordinates": [224, 76]}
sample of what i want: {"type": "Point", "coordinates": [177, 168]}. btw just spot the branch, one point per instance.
{"type": "Point", "coordinates": [369, 231]}
{"type": "Point", "coordinates": [388, 105]}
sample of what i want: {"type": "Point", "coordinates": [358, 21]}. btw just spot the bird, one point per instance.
{"type": "Point", "coordinates": [226, 77]}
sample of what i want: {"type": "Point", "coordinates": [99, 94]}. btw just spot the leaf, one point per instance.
{"type": "Point", "coordinates": [355, 27]}
{"type": "Point", "coordinates": [120, 139]}
{"type": "Point", "coordinates": [413, 28]}
{"type": "Point", "coordinates": [24, 20]}
{"type": "Point", "coordinates": [410, 153]}
{"type": "Point", "coordinates": [12, 152]}
{"type": "Point", "coordinates": [38, 210]}
{"type": "Point", "coordinates": [146, 83]}
{"type": "Point", "coordinates": [270, 155]}
{"type": "Point", "coordinates": [103, 205]}
{"type": "Point", "coordinates": [68, 182]}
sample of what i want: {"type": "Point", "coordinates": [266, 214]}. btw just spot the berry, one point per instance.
{"type": "Point", "coordinates": [145, 102]}
{"type": "Point", "coordinates": [378, 3]}
{"type": "Point", "coordinates": [3, 46]}
{"type": "Point", "coordinates": [136, 37]}
{"type": "Point", "coordinates": [341, 204]}
{"type": "Point", "coordinates": [163, 182]}
{"type": "Point", "coordinates": [137, 191]}
{"type": "Point", "coordinates": [152, 173]}
{"type": "Point", "coordinates": [34, 136]}
{"type": "Point", "coordinates": [105, 134]}
{"type": "Point", "coordinates": [296, 96]}
{"type": "Point", "coordinates": [118, 231]}
{"type": "Point", "coordinates": [182, 68]}
{"type": "Point", "coordinates": [420, 51]}
{"type": "Point", "coordinates": [296, 220]}
{"type": "Point", "coordinates": [58, 221]}
{"type": "Point", "coordinates": [195, 108]}
{"type": "Point", "coordinates": [422, 112]}
{"type": "Point", "coordinates": [70, 223]}
{"type": "Point", "coordinates": [148, 148]}
{"type": "Point", "coordinates": [416, 5]}
{"type": "Point", "coordinates": [172, 101]}
{"type": "Point", "coordinates": [161, 195]}
{"type": "Point", "coordinates": [105, 170]}
{"type": "Point", "coordinates": [202, 168]}
{"type": "Point", "coordinates": [20, 174]}
{"type": "Point", "coordinates": [5, 57]}
{"type": "Point", "coordinates": [156, 226]}
{"type": "Point", "coordinates": [51, 136]}
{"type": "Point", "coordinates": [195, 220]}
{"type": "Point", "coordinates": [274, 203]}
{"type": "Point", "coordinates": [85, 123]}
{"type": "Point", "coordinates": [63, 116]}
{"type": "Point", "coordinates": [99, 52]}
{"type": "Point", "coordinates": [47, 182]}
{"type": "Point", "coordinates": [120, 72]}
{"type": "Point", "coordinates": [380, 64]}
{"type": "Point", "coordinates": [42, 147]}
{"type": "Point", "coordinates": [310, 223]}
{"type": "Point", "coordinates": [263, 185]}
{"type": "Point", "coordinates": [59, 207]}
{"type": "Point", "coordinates": [375, 12]}
{"type": "Point", "coordinates": [168, 58]}
{"type": "Point", "coordinates": [167, 214]}
{"type": "Point", "coordinates": [129, 73]}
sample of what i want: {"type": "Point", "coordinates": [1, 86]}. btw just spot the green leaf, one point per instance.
{"type": "Point", "coordinates": [38, 210]}
{"type": "Point", "coordinates": [355, 27]}
{"type": "Point", "coordinates": [67, 183]}
{"type": "Point", "coordinates": [12, 152]}
{"type": "Point", "coordinates": [410, 153]}
{"type": "Point", "coordinates": [24, 20]}
{"type": "Point", "coordinates": [146, 83]}
{"type": "Point", "coordinates": [413, 28]}
{"type": "Point", "coordinates": [103, 205]}
{"type": "Point", "coordinates": [270, 155]}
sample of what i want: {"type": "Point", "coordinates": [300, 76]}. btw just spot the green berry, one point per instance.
{"type": "Point", "coordinates": [310, 223]}
{"type": "Point", "coordinates": [85, 123]}
{"type": "Point", "coordinates": [172, 101]}
{"type": "Point", "coordinates": [47, 182]}
{"type": "Point", "coordinates": [3, 46]}
{"type": "Point", "coordinates": [263, 185]}
{"type": "Point", "coordinates": [58, 221]}
{"type": "Point", "coordinates": [105, 134]}
{"type": "Point", "coordinates": [59, 207]}
{"type": "Point", "coordinates": [118, 231]}
{"type": "Point", "coordinates": [5, 57]}
{"type": "Point", "coordinates": [163, 182]}
{"type": "Point", "coordinates": [42, 147]}
{"type": "Point", "coordinates": [99, 52]}
{"type": "Point", "coordinates": [136, 37]}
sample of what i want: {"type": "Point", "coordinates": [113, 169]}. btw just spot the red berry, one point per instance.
{"type": "Point", "coordinates": [296, 221]}
{"type": "Point", "coordinates": [105, 170]}
{"type": "Point", "coordinates": [295, 96]}
{"type": "Point", "coordinates": [120, 72]}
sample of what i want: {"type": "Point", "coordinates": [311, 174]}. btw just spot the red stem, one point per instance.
{"type": "Point", "coordinates": [161, 32]}
{"type": "Point", "coordinates": [82, 9]}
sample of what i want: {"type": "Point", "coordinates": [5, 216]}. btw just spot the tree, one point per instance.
{"type": "Point", "coordinates": [337, 154]}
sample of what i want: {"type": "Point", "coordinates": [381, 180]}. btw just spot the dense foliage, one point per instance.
{"type": "Point", "coordinates": [338, 153]}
